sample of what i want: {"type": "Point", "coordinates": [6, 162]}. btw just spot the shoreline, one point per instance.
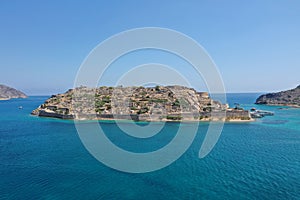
{"type": "Point", "coordinates": [149, 121]}
{"type": "Point", "coordinates": [279, 105]}
{"type": "Point", "coordinates": [4, 99]}
{"type": "Point", "coordinates": [10, 98]}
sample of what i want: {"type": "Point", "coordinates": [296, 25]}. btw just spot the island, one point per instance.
{"type": "Point", "coordinates": [283, 98]}
{"type": "Point", "coordinates": [7, 93]}
{"type": "Point", "coordinates": [160, 103]}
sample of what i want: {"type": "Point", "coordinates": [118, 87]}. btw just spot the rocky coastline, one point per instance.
{"type": "Point", "coordinates": [284, 98]}
{"type": "Point", "coordinates": [160, 103]}
{"type": "Point", "coordinates": [7, 93]}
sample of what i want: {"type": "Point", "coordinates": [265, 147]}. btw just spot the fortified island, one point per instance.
{"type": "Point", "coordinates": [7, 93]}
{"type": "Point", "coordinates": [160, 103]}
{"type": "Point", "coordinates": [283, 98]}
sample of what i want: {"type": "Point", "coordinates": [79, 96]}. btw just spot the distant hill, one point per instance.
{"type": "Point", "coordinates": [9, 93]}
{"type": "Point", "coordinates": [286, 98]}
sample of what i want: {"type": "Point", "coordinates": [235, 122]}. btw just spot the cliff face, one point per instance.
{"type": "Point", "coordinates": [134, 103]}
{"type": "Point", "coordinates": [9, 93]}
{"type": "Point", "coordinates": [289, 98]}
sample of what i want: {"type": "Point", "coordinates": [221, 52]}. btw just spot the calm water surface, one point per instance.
{"type": "Point", "coordinates": [43, 158]}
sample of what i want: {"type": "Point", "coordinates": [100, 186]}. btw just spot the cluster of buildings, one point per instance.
{"type": "Point", "coordinates": [137, 103]}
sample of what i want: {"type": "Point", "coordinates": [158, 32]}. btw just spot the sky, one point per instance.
{"type": "Point", "coordinates": [255, 44]}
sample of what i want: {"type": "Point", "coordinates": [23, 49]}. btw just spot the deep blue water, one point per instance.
{"type": "Point", "coordinates": [42, 158]}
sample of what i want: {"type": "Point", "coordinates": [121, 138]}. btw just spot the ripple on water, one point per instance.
{"type": "Point", "coordinates": [275, 121]}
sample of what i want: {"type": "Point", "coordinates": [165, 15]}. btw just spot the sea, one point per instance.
{"type": "Point", "coordinates": [44, 158]}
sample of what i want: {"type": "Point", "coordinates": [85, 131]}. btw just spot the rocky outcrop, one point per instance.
{"type": "Point", "coordinates": [9, 93]}
{"type": "Point", "coordinates": [137, 103]}
{"type": "Point", "coordinates": [285, 98]}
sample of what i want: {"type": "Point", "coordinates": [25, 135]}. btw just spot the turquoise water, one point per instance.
{"type": "Point", "coordinates": [43, 158]}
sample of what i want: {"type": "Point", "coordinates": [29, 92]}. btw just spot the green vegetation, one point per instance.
{"type": "Point", "coordinates": [143, 110]}
{"type": "Point", "coordinates": [99, 103]}
{"type": "Point", "coordinates": [157, 88]}
{"type": "Point", "coordinates": [158, 100]}
{"type": "Point", "coordinates": [143, 93]}
{"type": "Point", "coordinates": [106, 99]}
{"type": "Point", "coordinates": [176, 103]}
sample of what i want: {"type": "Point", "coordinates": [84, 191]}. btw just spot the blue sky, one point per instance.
{"type": "Point", "coordinates": [255, 44]}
